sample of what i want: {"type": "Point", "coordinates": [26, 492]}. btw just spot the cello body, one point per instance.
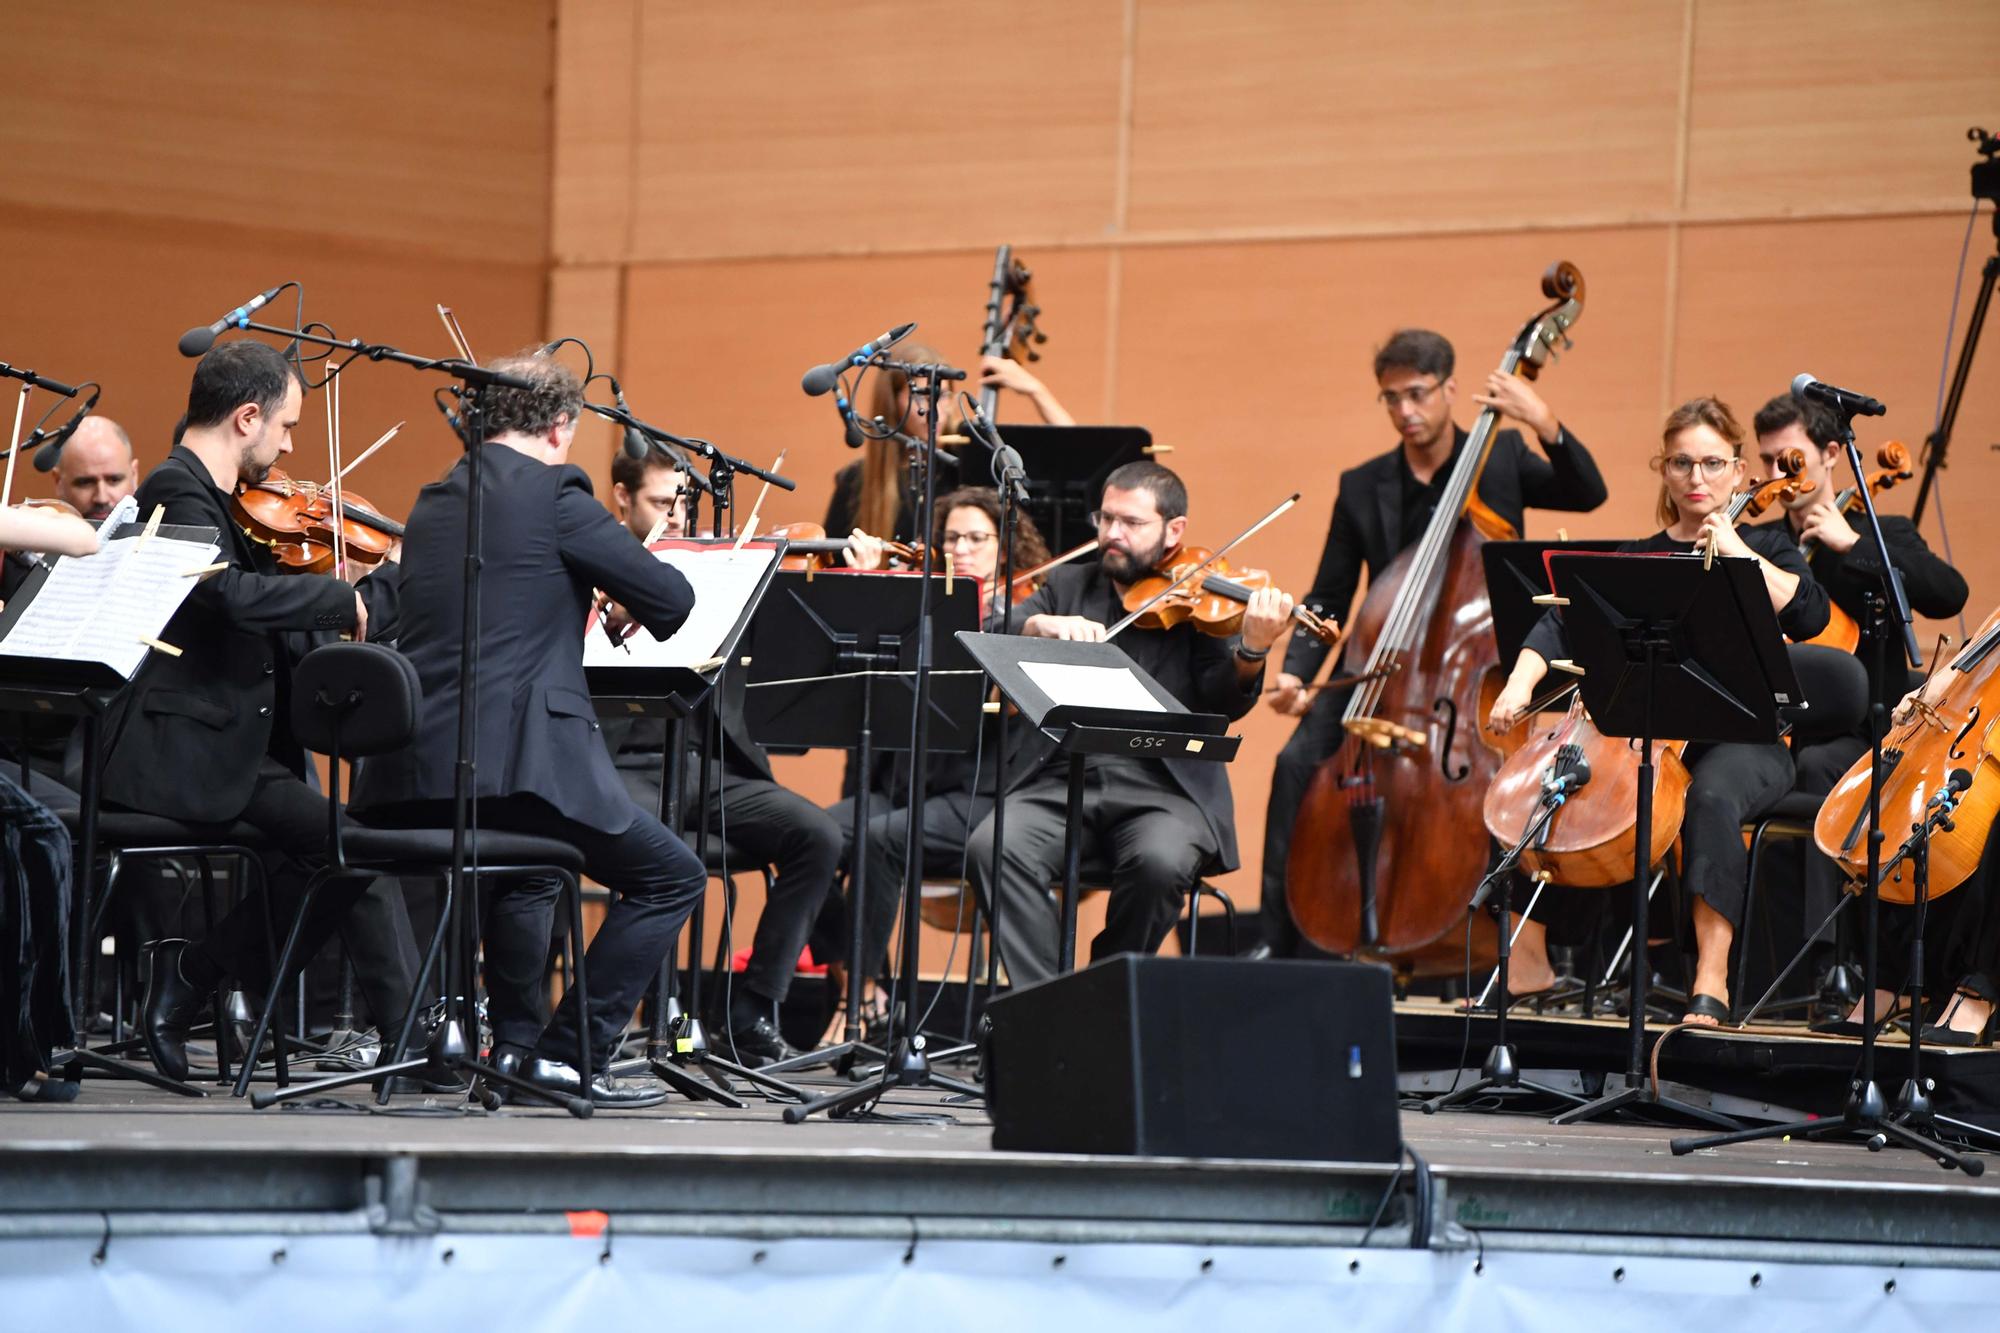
{"type": "Point", "coordinates": [1390, 844]}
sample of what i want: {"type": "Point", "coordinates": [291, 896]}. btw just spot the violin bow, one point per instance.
{"type": "Point", "coordinates": [750, 524]}
{"type": "Point", "coordinates": [333, 450]}
{"type": "Point", "coordinates": [1054, 561]}
{"type": "Point", "coordinates": [1201, 568]}
{"type": "Point", "coordinates": [456, 334]}
{"type": "Point", "coordinates": [363, 456]}
{"type": "Point", "coordinates": [14, 446]}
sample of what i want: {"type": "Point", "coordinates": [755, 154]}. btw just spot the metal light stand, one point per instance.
{"type": "Point", "coordinates": [1985, 185]}
{"type": "Point", "coordinates": [908, 1066]}
{"type": "Point", "coordinates": [1500, 1072]}
{"type": "Point", "coordinates": [1866, 1114]}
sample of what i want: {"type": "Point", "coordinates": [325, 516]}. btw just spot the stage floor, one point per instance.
{"type": "Point", "coordinates": [156, 1161]}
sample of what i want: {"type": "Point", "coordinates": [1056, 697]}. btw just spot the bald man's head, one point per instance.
{"type": "Point", "coordinates": [96, 469]}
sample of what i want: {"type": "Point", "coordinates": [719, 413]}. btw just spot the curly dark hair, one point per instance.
{"type": "Point", "coordinates": [1029, 548]}
{"type": "Point", "coordinates": [557, 393]}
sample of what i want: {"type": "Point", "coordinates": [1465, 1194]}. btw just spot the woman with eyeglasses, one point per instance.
{"type": "Point", "coordinates": [959, 796]}
{"type": "Point", "coordinates": [1700, 465]}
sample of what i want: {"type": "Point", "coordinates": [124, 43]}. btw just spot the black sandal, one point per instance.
{"type": "Point", "coordinates": [1939, 1034]}
{"type": "Point", "coordinates": [1705, 1006]}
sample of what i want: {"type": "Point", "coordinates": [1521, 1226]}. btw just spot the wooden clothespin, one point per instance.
{"type": "Point", "coordinates": [708, 664]}
{"type": "Point", "coordinates": [203, 571]}
{"type": "Point", "coordinates": [1562, 534]}
{"type": "Point", "coordinates": [152, 526]}
{"type": "Point", "coordinates": [1564, 664]}
{"type": "Point", "coordinates": [1152, 449]}
{"type": "Point", "coordinates": [1550, 599]}
{"type": "Point", "coordinates": [658, 528]}
{"type": "Point", "coordinates": [159, 646]}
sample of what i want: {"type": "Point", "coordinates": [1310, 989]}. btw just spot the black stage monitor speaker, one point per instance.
{"type": "Point", "coordinates": [1198, 1057]}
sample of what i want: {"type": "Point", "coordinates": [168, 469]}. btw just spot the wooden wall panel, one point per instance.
{"type": "Point", "coordinates": [597, 70]}
{"type": "Point", "coordinates": [585, 302]}
{"type": "Point", "coordinates": [769, 127]}
{"type": "Point", "coordinates": [1297, 115]}
{"type": "Point", "coordinates": [1762, 302]}
{"type": "Point", "coordinates": [1817, 106]}
{"type": "Point", "coordinates": [415, 126]}
{"type": "Point", "coordinates": [1254, 360]}
{"type": "Point", "coordinates": [98, 302]}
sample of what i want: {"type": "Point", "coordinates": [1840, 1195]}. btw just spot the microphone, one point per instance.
{"type": "Point", "coordinates": [848, 420]}
{"type": "Point", "coordinates": [1804, 385]}
{"type": "Point", "coordinates": [636, 446]}
{"type": "Point", "coordinates": [197, 341]}
{"type": "Point", "coordinates": [821, 379]}
{"type": "Point", "coordinates": [50, 453]}
{"type": "Point", "coordinates": [1959, 780]}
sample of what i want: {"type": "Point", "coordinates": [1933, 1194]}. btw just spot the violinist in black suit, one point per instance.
{"type": "Point", "coordinates": [203, 737]}
{"type": "Point", "coordinates": [768, 822]}
{"type": "Point", "coordinates": [1160, 824]}
{"type": "Point", "coordinates": [542, 766]}
{"type": "Point", "coordinates": [1383, 507]}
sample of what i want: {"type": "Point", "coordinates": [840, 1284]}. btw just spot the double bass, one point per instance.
{"type": "Point", "coordinates": [1389, 844]}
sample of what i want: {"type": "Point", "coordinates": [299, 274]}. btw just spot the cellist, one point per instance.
{"type": "Point", "coordinates": [1382, 507]}
{"type": "Point", "coordinates": [1700, 465]}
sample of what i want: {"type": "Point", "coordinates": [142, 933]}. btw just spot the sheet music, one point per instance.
{"type": "Point", "coordinates": [723, 580]}
{"type": "Point", "coordinates": [1091, 686]}
{"type": "Point", "coordinates": [99, 608]}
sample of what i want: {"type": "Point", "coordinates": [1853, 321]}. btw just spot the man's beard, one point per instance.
{"type": "Point", "coordinates": [98, 513]}
{"type": "Point", "coordinates": [1130, 568]}
{"type": "Point", "coordinates": [249, 471]}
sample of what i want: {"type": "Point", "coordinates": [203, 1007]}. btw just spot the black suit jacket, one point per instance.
{"type": "Point", "coordinates": [1195, 668]}
{"type": "Point", "coordinates": [186, 738]}
{"type": "Point", "coordinates": [546, 544]}
{"type": "Point", "coordinates": [1367, 528]}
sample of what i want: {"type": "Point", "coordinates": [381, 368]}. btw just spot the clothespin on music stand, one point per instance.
{"type": "Point", "coordinates": [204, 571]}
{"type": "Point", "coordinates": [158, 645]}
{"type": "Point", "coordinates": [153, 522]}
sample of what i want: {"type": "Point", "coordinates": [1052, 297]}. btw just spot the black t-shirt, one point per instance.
{"type": "Point", "coordinates": [1421, 499]}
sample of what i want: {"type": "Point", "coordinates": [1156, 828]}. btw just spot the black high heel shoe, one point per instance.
{"type": "Point", "coordinates": [1941, 1034]}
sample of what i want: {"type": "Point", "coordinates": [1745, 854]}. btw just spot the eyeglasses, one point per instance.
{"type": "Point", "coordinates": [1680, 465]}
{"type": "Point", "coordinates": [973, 539]}
{"type": "Point", "coordinates": [1101, 521]}
{"type": "Point", "coordinates": [1416, 396]}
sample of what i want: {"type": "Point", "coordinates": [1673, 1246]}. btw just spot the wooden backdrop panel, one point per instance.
{"type": "Point", "coordinates": [585, 302]}
{"type": "Point", "coordinates": [1860, 303]}
{"type": "Point", "coordinates": [775, 127]}
{"type": "Point", "coordinates": [597, 71]}
{"type": "Point", "coordinates": [1818, 106]}
{"type": "Point", "coordinates": [1279, 115]}
{"type": "Point", "coordinates": [414, 126]}
{"type": "Point", "coordinates": [97, 302]}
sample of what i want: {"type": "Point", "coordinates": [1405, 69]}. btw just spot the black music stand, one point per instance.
{"type": "Point", "coordinates": [671, 682]}
{"type": "Point", "coordinates": [832, 662]}
{"type": "Point", "coordinates": [1065, 712]}
{"type": "Point", "coordinates": [1066, 468]}
{"type": "Point", "coordinates": [1517, 574]}
{"type": "Point", "coordinates": [1667, 636]}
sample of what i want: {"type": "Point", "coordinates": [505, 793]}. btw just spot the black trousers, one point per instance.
{"type": "Point", "coordinates": [372, 922]}
{"type": "Point", "coordinates": [35, 869]}
{"type": "Point", "coordinates": [1312, 743]}
{"type": "Point", "coordinates": [1135, 820]}
{"type": "Point", "coordinates": [947, 820]}
{"type": "Point", "coordinates": [771, 825]}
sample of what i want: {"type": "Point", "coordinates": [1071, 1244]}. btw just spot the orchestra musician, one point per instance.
{"type": "Point", "coordinates": [204, 737]}
{"type": "Point", "coordinates": [544, 769]}
{"type": "Point", "coordinates": [872, 494]}
{"type": "Point", "coordinates": [1846, 562]}
{"type": "Point", "coordinates": [958, 797]}
{"type": "Point", "coordinates": [771, 824]}
{"type": "Point", "coordinates": [1383, 506]}
{"type": "Point", "coordinates": [1701, 465]}
{"type": "Point", "coordinates": [1159, 824]}
{"type": "Point", "coordinates": [96, 468]}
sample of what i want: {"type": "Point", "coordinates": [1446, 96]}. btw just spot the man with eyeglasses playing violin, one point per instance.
{"type": "Point", "coordinates": [1382, 508]}
{"type": "Point", "coordinates": [1159, 824]}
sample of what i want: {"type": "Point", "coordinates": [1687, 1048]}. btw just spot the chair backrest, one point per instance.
{"type": "Point", "coordinates": [352, 700]}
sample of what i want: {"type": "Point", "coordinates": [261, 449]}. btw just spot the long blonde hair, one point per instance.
{"type": "Point", "coordinates": [1710, 412]}
{"type": "Point", "coordinates": [881, 500]}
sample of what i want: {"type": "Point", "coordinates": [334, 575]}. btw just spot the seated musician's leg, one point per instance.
{"type": "Point", "coordinates": [802, 844]}
{"type": "Point", "coordinates": [1728, 784]}
{"type": "Point", "coordinates": [1158, 844]}
{"type": "Point", "coordinates": [1031, 860]}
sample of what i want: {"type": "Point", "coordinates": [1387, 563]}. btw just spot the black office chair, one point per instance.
{"type": "Point", "coordinates": [350, 701]}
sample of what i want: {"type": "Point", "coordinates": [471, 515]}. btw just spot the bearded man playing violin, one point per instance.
{"type": "Point", "coordinates": [202, 737]}
{"type": "Point", "coordinates": [1158, 825]}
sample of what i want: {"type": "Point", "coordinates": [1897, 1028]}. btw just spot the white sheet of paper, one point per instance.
{"type": "Point", "coordinates": [96, 608]}
{"type": "Point", "coordinates": [723, 580]}
{"type": "Point", "coordinates": [1091, 686]}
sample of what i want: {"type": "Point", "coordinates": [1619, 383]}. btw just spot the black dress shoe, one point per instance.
{"type": "Point", "coordinates": [171, 1007]}
{"type": "Point", "coordinates": [757, 1043]}
{"type": "Point", "coordinates": [605, 1090]}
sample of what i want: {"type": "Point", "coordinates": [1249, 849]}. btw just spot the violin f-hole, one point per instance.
{"type": "Point", "coordinates": [1450, 709]}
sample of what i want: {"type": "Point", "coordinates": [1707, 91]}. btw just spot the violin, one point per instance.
{"type": "Point", "coordinates": [1787, 486]}
{"type": "Point", "coordinates": [1955, 730]}
{"type": "Point", "coordinates": [1894, 465]}
{"type": "Point", "coordinates": [1212, 600]}
{"type": "Point", "coordinates": [295, 519]}
{"type": "Point", "coordinates": [1389, 845]}
{"type": "Point", "coordinates": [808, 548]}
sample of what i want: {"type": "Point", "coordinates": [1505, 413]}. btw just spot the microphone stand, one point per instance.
{"type": "Point", "coordinates": [1866, 1114]}
{"type": "Point", "coordinates": [1010, 474]}
{"type": "Point", "coordinates": [907, 1066]}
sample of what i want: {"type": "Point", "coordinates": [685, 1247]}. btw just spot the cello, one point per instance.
{"type": "Point", "coordinates": [1893, 465]}
{"type": "Point", "coordinates": [1389, 844]}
